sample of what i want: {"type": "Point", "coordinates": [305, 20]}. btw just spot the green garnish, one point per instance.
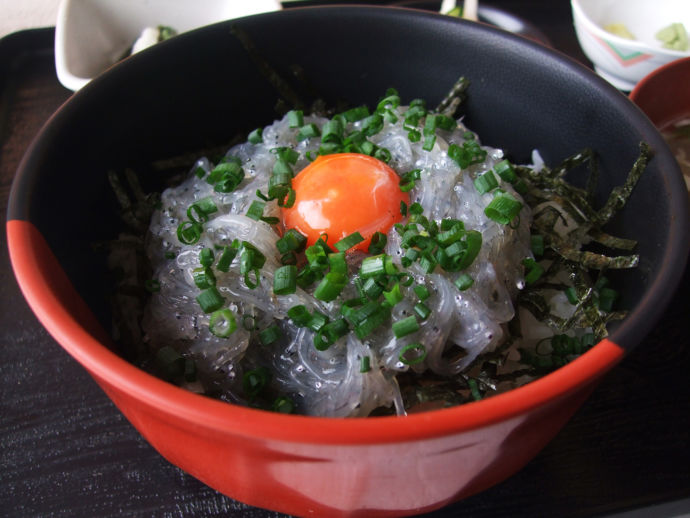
{"type": "Point", "coordinates": [285, 280]}
{"type": "Point", "coordinates": [210, 300]}
{"type": "Point", "coordinates": [222, 323]}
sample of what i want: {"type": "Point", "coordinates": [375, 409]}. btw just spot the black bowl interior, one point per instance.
{"type": "Point", "coordinates": [199, 90]}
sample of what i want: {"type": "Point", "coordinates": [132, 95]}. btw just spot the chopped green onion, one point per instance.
{"type": "Point", "coordinates": [422, 310]}
{"type": "Point", "coordinates": [227, 256]}
{"type": "Point", "coordinates": [464, 282]}
{"type": "Point", "coordinates": [203, 278]}
{"type": "Point", "coordinates": [317, 257]}
{"type": "Point", "coordinates": [393, 296]}
{"type": "Point", "coordinates": [407, 180]}
{"type": "Point", "coordinates": [299, 315]}
{"type": "Point", "coordinates": [503, 208]}
{"type": "Point", "coordinates": [429, 142]}
{"type": "Point", "coordinates": [470, 153]}
{"type": "Point", "coordinates": [406, 326]}
{"type": "Point", "coordinates": [285, 280]}
{"type": "Point", "coordinates": [222, 323]}
{"type": "Point", "coordinates": [225, 169]}
{"type": "Point", "coordinates": [416, 208]}
{"type": "Point", "coordinates": [206, 257]}
{"type": "Point", "coordinates": [485, 183]}
{"type": "Point", "coordinates": [338, 263]}
{"type": "Point", "coordinates": [607, 297]}
{"type": "Point", "coordinates": [330, 333]}
{"type": "Point", "coordinates": [295, 118]}
{"type": "Point", "coordinates": [449, 223]}
{"type": "Point", "coordinates": [422, 292]}
{"type": "Point", "coordinates": [505, 171]}
{"type": "Point", "coordinates": [256, 136]}
{"type": "Point", "coordinates": [251, 261]}
{"type": "Point", "coordinates": [365, 365]}
{"type": "Point", "coordinates": [347, 308]}
{"type": "Point", "coordinates": [373, 266]}
{"type": "Point", "coordinates": [427, 262]}
{"type": "Point", "coordinates": [282, 171]}
{"type": "Point", "coordinates": [379, 315]}
{"type": "Point", "coordinates": [307, 131]}
{"type": "Point", "coordinates": [383, 154]}
{"type": "Point", "coordinates": [283, 405]}
{"type": "Point", "coordinates": [292, 240]}
{"type": "Point", "coordinates": [534, 270]}
{"type": "Point", "coordinates": [332, 131]}
{"type": "Point", "coordinates": [571, 295]}
{"type": "Point", "coordinates": [316, 321]}
{"type": "Point", "coordinates": [199, 211]}
{"type": "Point", "coordinates": [256, 210]}
{"type": "Point", "coordinates": [307, 276]}
{"type": "Point", "coordinates": [476, 395]}
{"type": "Point", "coordinates": [210, 300]}
{"type": "Point", "coordinates": [254, 381]}
{"type": "Point", "coordinates": [286, 154]}
{"type": "Point", "coordinates": [411, 255]}
{"type": "Point", "coordinates": [372, 125]}
{"type": "Point", "coordinates": [537, 244]}
{"type": "Point", "coordinates": [444, 122]}
{"type": "Point", "coordinates": [450, 236]}
{"type": "Point", "coordinates": [226, 176]}
{"type": "Point", "coordinates": [330, 286]}
{"type": "Point", "coordinates": [348, 242]}
{"type": "Point", "coordinates": [412, 353]}
{"type": "Point", "coordinates": [473, 240]}
{"type": "Point", "coordinates": [371, 288]}
{"type": "Point", "coordinates": [189, 232]}
{"type": "Point", "coordinates": [377, 243]}
{"type": "Point", "coordinates": [288, 258]}
{"type": "Point", "coordinates": [356, 114]}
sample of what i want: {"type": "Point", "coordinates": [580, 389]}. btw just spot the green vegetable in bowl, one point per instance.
{"type": "Point", "coordinates": [674, 37]}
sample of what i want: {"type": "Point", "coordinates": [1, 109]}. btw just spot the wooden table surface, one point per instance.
{"type": "Point", "coordinates": [65, 450]}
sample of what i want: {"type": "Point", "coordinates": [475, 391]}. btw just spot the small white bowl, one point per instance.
{"type": "Point", "coordinates": [92, 35]}
{"type": "Point", "coordinates": [621, 61]}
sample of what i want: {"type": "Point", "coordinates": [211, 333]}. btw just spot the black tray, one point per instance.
{"type": "Point", "coordinates": [65, 450]}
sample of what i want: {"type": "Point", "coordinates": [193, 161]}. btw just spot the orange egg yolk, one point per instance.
{"type": "Point", "coordinates": [344, 193]}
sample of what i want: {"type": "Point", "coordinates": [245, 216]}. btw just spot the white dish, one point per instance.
{"type": "Point", "coordinates": [623, 62]}
{"type": "Point", "coordinates": [92, 35]}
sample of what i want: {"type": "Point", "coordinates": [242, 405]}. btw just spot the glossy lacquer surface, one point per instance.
{"type": "Point", "coordinates": [67, 451]}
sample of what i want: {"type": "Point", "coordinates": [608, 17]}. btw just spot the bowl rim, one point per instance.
{"type": "Point", "coordinates": [653, 76]}
{"type": "Point", "coordinates": [580, 15]}
{"type": "Point", "coordinates": [221, 417]}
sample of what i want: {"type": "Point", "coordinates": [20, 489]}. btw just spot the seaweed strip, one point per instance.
{"type": "Point", "coordinates": [620, 194]}
{"type": "Point", "coordinates": [449, 104]}
{"type": "Point", "coordinates": [610, 241]}
{"type": "Point", "coordinates": [276, 80]}
{"type": "Point", "coordinates": [596, 261]}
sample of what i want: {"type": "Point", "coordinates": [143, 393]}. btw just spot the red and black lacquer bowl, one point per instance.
{"type": "Point", "coordinates": [197, 90]}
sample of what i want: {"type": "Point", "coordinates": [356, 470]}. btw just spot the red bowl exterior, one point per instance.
{"type": "Point", "coordinates": [386, 466]}
{"type": "Point", "coordinates": [663, 94]}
